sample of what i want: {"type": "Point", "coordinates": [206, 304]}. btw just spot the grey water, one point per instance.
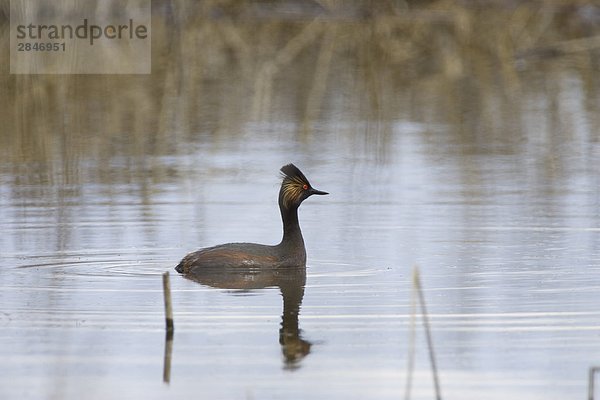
{"type": "Point", "coordinates": [496, 200]}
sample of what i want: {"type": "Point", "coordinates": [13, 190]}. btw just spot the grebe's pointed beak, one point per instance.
{"type": "Point", "coordinates": [315, 191]}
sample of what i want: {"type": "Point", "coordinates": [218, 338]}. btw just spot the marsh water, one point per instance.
{"type": "Point", "coordinates": [490, 187]}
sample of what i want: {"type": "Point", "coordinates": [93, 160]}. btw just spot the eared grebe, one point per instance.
{"type": "Point", "coordinates": [295, 188]}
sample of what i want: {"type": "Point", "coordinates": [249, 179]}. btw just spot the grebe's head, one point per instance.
{"type": "Point", "coordinates": [295, 188]}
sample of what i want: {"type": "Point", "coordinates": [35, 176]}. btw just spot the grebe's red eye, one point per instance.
{"type": "Point", "coordinates": [305, 187]}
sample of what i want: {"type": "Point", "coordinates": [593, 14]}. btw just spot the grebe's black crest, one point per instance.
{"type": "Point", "coordinates": [294, 185]}
{"type": "Point", "coordinates": [291, 173]}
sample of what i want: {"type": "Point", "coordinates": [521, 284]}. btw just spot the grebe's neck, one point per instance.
{"type": "Point", "coordinates": [292, 241]}
{"type": "Point", "coordinates": [291, 227]}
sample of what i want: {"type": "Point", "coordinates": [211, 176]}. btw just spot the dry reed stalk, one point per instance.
{"type": "Point", "coordinates": [168, 308]}
{"type": "Point", "coordinates": [418, 293]}
{"type": "Point", "coordinates": [591, 377]}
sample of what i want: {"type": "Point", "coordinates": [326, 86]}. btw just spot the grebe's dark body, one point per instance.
{"type": "Point", "coordinates": [290, 252]}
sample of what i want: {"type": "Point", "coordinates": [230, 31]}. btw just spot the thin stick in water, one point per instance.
{"type": "Point", "coordinates": [591, 377]}
{"type": "Point", "coordinates": [417, 284]}
{"type": "Point", "coordinates": [410, 361]}
{"type": "Point", "coordinates": [168, 308]}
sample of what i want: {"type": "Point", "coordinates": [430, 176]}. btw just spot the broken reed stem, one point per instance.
{"type": "Point", "coordinates": [168, 308]}
{"type": "Point", "coordinates": [419, 289]}
{"type": "Point", "coordinates": [591, 377]}
{"type": "Point", "coordinates": [410, 361]}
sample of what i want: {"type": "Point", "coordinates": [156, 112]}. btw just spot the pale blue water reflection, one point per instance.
{"type": "Point", "coordinates": [505, 229]}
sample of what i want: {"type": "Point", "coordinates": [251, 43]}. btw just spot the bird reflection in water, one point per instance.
{"type": "Point", "coordinates": [289, 280]}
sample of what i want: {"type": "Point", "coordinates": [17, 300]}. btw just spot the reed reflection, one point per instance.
{"type": "Point", "coordinates": [167, 357]}
{"type": "Point", "coordinates": [290, 281]}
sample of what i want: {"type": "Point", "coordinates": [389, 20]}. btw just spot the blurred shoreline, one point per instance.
{"type": "Point", "coordinates": [218, 65]}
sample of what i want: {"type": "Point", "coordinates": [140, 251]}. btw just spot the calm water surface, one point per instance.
{"type": "Point", "coordinates": [501, 213]}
